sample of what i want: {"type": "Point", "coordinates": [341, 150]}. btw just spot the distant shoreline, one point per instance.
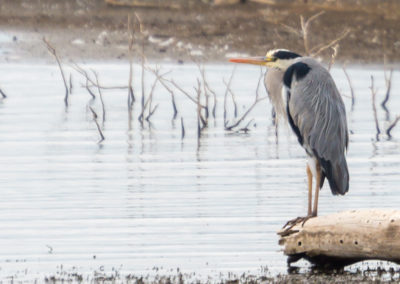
{"type": "Point", "coordinates": [98, 32]}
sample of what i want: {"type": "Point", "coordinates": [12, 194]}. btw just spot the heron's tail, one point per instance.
{"type": "Point", "coordinates": [337, 174]}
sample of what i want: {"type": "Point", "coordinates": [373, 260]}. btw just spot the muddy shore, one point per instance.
{"type": "Point", "coordinates": [95, 30]}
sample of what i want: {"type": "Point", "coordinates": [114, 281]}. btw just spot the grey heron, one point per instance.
{"type": "Point", "coordinates": [316, 113]}
{"type": "Point", "coordinates": [273, 81]}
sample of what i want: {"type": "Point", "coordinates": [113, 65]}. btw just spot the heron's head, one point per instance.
{"type": "Point", "coordinates": [276, 58]}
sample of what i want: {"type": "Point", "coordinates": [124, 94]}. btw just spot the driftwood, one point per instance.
{"type": "Point", "coordinates": [344, 238]}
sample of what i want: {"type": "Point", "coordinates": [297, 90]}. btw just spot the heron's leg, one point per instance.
{"type": "Point", "coordinates": [310, 178]}
{"type": "Point", "coordinates": [318, 182]}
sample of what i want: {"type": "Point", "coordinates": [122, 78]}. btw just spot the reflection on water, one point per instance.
{"type": "Point", "coordinates": [145, 198]}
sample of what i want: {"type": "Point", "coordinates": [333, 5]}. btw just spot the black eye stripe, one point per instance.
{"type": "Point", "coordinates": [283, 54]}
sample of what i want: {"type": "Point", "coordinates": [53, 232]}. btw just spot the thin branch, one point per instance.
{"type": "Point", "coordinates": [353, 99]}
{"type": "Point", "coordinates": [131, 96]}
{"type": "Point", "coordinates": [182, 129]}
{"type": "Point", "coordinates": [256, 101]}
{"type": "Point", "coordinates": [162, 80]}
{"type": "Point", "coordinates": [70, 83]}
{"type": "Point", "coordinates": [321, 47]}
{"type": "Point", "coordinates": [388, 81]}
{"type": "Point", "coordinates": [148, 101]}
{"type": "Point", "coordinates": [226, 95]}
{"type": "Point", "coordinates": [235, 112]}
{"type": "Point", "coordinates": [3, 94]}
{"type": "Point", "coordinates": [89, 90]}
{"type": "Point", "coordinates": [53, 51]}
{"type": "Point", "coordinates": [101, 95]}
{"type": "Point", "coordinates": [97, 124]}
{"type": "Point", "coordinates": [373, 93]}
{"type": "Point", "coordinates": [305, 28]}
{"type": "Point", "coordinates": [333, 56]}
{"type": "Point", "coordinates": [391, 126]}
{"type": "Point", "coordinates": [199, 106]}
{"type": "Point", "coordinates": [184, 92]}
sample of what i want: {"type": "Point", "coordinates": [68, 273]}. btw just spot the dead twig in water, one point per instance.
{"type": "Point", "coordinates": [162, 81]}
{"type": "Point", "coordinates": [89, 90]}
{"type": "Point", "coordinates": [388, 82]}
{"type": "Point", "coordinates": [70, 83]}
{"type": "Point", "coordinates": [53, 51]}
{"type": "Point", "coordinates": [97, 124]}
{"type": "Point", "coordinates": [373, 93]}
{"type": "Point", "coordinates": [199, 106]}
{"type": "Point", "coordinates": [256, 101]}
{"type": "Point", "coordinates": [235, 107]}
{"type": "Point", "coordinates": [148, 102]}
{"type": "Point", "coordinates": [226, 95]}
{"type": "Point", "coordinates": [184, 92]}
{"type": "Point", "coordinates": [391, 126]}
{"type": "Point", "coordinates": [353, 99]}
{"type": "Point", "coordinates": [198, 90]}
{"type": "Point", "coordinates": [3, 94]}
{"type": "Point", "coordinates": [182, 129]}
{"type": "Point", "coordinates": [131, 96]}
{"type": "Point", "coordinates": [100, 95]}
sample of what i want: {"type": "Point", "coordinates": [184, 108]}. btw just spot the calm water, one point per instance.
{"type": "Point", "coordinates": [145, 198]}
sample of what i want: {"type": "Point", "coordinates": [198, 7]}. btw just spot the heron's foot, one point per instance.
{"type": "Point", "coordinates": [291, 223]}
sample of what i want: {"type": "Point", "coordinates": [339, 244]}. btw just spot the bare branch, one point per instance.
{"type": "Point", "coordinates": [388, 81]}
{"type": "Point", "coordinates": [321, 47]}
{"type": "Point", "coordinates": [226, 95]}
{"type": "Point", "coordinates": [373, 92]}
{"type": "Point", "coordinates": [147, 104]}
{"type": "Point", "coordinates": [199, 107]}
{"type": "Point", "coordinates": [3, 94]}
{"type": "Point", "coordinates": [70, 83]}
{"type": "Point", "coordinates": [353, 100]}
{"type": "Point", "coordinates": [305, 29]}
{"type": "Point", "coordinates": [233, 98]}
{"type": "Point", "coordinates": [97, 124]}
{"type": "Point", "coordinates": [53, 51]}
{"type": "Point", "coordinates": [162, 80]}
{"type": "Point", "coordinates": [182, 129]}
{"type": "Point", "coordinates": [101, 95]}
{"type": "Point", "coordinates": [256, 101]}
{"type": "Point", "coordinates": [391, 126]}
{"type": "Point", "coordinates": [334, 54]}
{"type": "Point", "coordinates": [131, 96]}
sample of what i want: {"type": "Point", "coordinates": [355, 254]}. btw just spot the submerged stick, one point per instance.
{"type": "Point", "coordinates": [97, 124]}
{"type": "Point", "coordinates": [53, 51]}
{"type": "Point", "coordinates": [131, 96]}
{"type": "Point", "coordinates": [3, 94]}
{"type": "Point", "coordinates": [182, 129]}
{"type": "Point", "coordinates": [391, 126]}
{"type": "Point", "coordinates": [373, 93]}
{"type": "Point", "coordinates": [100, 94]}
{"type": "Point", "coordinates": [388, 81]}
{"type": "Point", "coordinates": [70, 83]}
{"type": "Point", "coordinates": [256, 101]}
{"type": "Point", "coordinates": [353, 100]}
{"type": "Point", "coordinates": [226, 95]}
{"type": "Point", "coordinates": [162, 80]}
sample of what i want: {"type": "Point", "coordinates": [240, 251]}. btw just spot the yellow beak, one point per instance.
{"type": "Point", "coordinates": [252, 60]}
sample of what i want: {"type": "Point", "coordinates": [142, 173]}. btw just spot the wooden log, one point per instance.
{"type": "Point", "coordinates": [344, 238]}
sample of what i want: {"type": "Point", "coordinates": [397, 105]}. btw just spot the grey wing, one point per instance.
{"type": "Point", "coordinates": [316, 111]}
